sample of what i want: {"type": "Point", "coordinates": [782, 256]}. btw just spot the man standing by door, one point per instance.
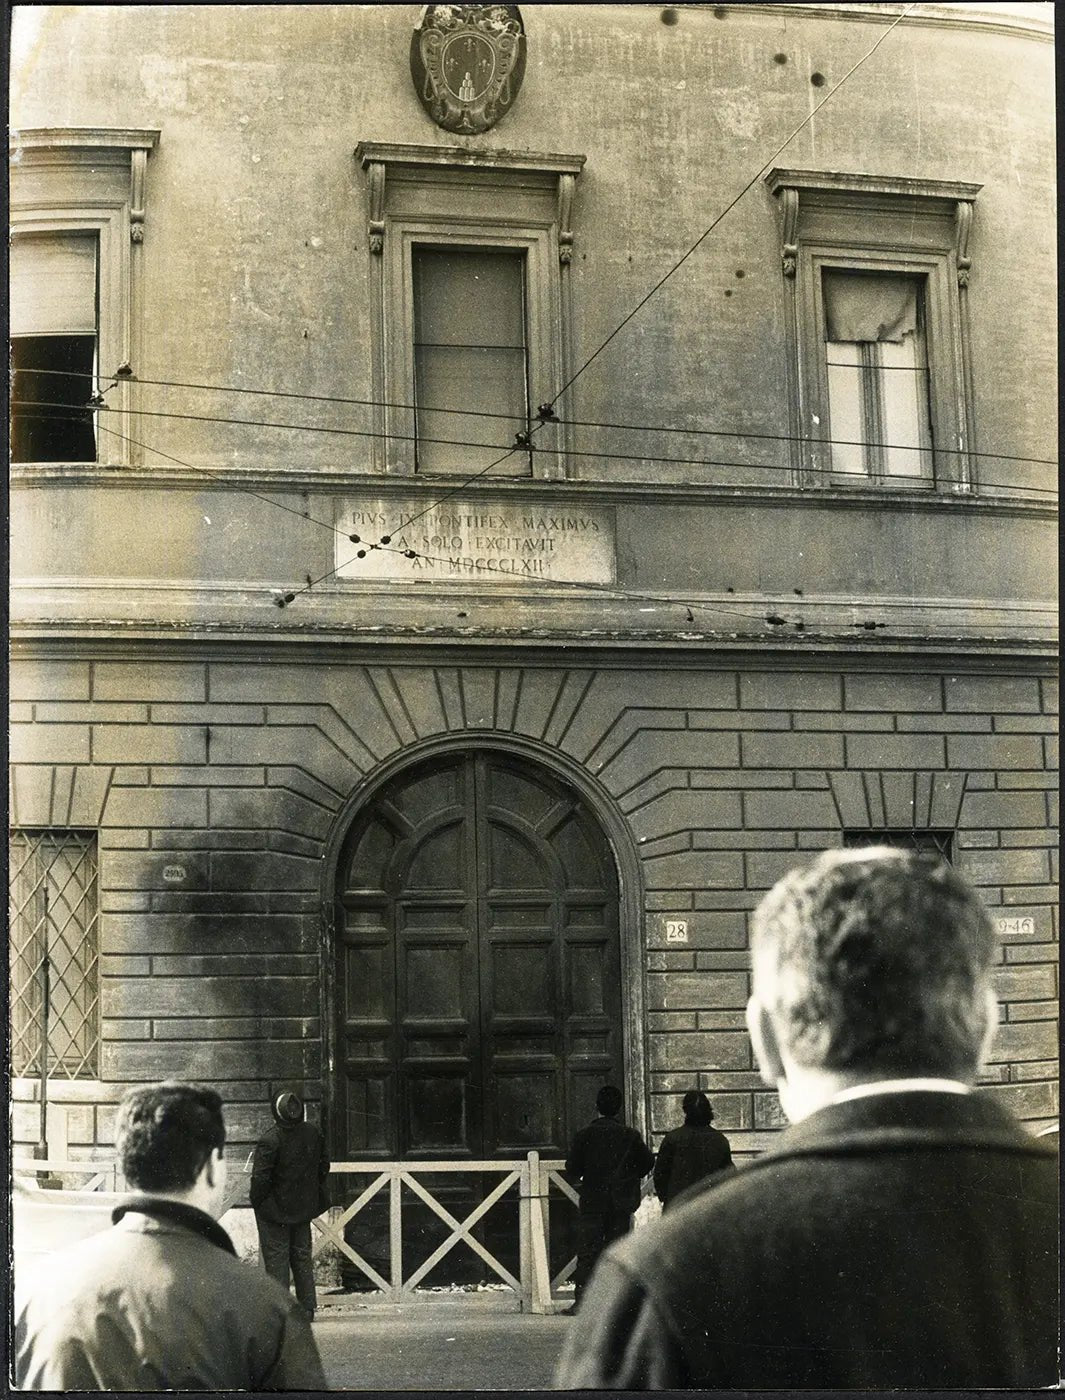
{"type": "Point", "coordinates": [608, 1161]}
{"type": "Point", "coordinates": [288, 1176]}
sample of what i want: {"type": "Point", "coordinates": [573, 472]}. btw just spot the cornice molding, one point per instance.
{"type": "Point", "coordinates": [99, 642]}
{"type": "Point", "coordinates": [81, 139]}
{"type": "Point", "coordinates": [872, 186]}
{"type": "Point", "coordinates": [325, 483]}
{"type": "Point", "coordinates": [998, 20]}
{"type": "Point", "coordinates": [397, 153]}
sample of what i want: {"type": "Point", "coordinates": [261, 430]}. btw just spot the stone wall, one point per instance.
{"type": "Point", "coordinates": [215, 783]}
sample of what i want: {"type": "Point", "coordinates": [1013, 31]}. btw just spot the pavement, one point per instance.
{"type": "Point", "coordinates": [438, 1344]}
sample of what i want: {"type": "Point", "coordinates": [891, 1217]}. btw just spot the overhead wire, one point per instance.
{"type": "Point", "coordinates": [690, 605]}
{"type": "Point", "coordinates": [524, 445]}
{"type": "Point", "coordinates": [523, 441]}
{"type": "Point", "coordinates": [649, 428]}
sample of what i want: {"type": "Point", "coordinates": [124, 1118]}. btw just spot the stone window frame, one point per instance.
{"type": "Point", "coordinates": [445, 196]}
{"type": "Point", "coordinates": [885, 224]}
{"type": "Point", "coordinates": [93, 180]}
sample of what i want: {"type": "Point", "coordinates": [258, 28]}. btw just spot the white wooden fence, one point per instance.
{"type": "Point", "coordinates": [540, 1184]}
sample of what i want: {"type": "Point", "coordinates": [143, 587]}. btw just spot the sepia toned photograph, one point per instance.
{"type": "Point", "coordinates": [533, 703]}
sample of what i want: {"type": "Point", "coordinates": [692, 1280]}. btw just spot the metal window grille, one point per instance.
{"type": "Point", "coordinates": [54, 931]}
{"type": "Point", "coordinates": [925, 842]}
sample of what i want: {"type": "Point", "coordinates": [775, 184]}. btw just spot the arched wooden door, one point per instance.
{"type": "Point", "coordinates": [477, 998]}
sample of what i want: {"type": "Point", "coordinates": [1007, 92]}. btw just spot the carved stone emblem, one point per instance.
{"type": "Point", "coordinates": [467, 62]}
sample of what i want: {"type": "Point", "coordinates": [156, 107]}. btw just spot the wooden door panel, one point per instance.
{"type": "Point", "coordinates": [436, 1099]}
{"type": "Point", "coordinates": [478, 997]}
{"type": "Point", "coordinates": [524, 1106]}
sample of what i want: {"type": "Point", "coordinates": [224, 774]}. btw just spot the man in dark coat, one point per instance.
{"type": "Point", "coordinates": [288, 1177]}
{"type": "Point", "coordinates": [692, 1152]}
{"type": "Point", "coordinates": [608, 1161]}
{"type": "Point", "coordinates": [904, 1231]}
{"type": "Point", "coordinates": [160, 1301]}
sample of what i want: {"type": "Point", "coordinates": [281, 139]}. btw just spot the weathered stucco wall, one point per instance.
{"type": "Point", "coordinates": [256, 261]}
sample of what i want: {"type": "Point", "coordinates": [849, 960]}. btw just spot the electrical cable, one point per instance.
{"type": "Point", "coordinates": [649, 428]}
{"type": "Point", "coordinates": [524, 444]}
{"type": "Point", "coordinates": [690, 605]}
{"type": "Point", "coordinates": [732, 204]}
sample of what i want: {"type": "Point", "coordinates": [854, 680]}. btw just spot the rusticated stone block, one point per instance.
{"type": "Point", "coordinates": [700, 1051]}
{"type": "Point", "coordinates": [1003, 809]}
{"type": "Point", "coordinates": [156, 807]}
{"type": "Point", "coordinates": [1024, 1040]}
{"type": "Point", "coordinates": [149, 680]}
{"type": "Point", "coordinates": [886, 692]}
{"type": "Point", "coordinates": [211, 1061]}
{"type": "Point", "coordinates": [698, 870]}
{"type": "Point", "coordinates": [705, 929]}
{"type": "Point", "coordinates": [1005, 867]}
{"type": "Point", "coordinates": [788, 811]}
{"type": "Point", "coordinates": [1027, 1101]}
{"type": "Point", "coordinates": [31, 679]}
{"type": "Point", "coordinates": [994, 752]}
{"type": "Point", "coordinates": [677, 991]}
{"type": "Point", "coordinates": [210, 996]}
{"type": "Point", "coordinates": [993, 694]}
{"type": "Point", "coordinates": [789, 690]}
{"type": "Point", "coordinates": [908, 751]}
{"type": "Point", "coordinates": [792, 750]}
{"type": "Point", "coordinates": [768, 1112]}
{"type": "Point", "coordinates": [1025, 983]}
{"type": "Point", "coordinates": [48, 743]}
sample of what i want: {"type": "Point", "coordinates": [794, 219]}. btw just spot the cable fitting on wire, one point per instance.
{"type": "Point", "coordinates": [869, 625]}
{"type": "Point", "coordinates": [546, 413]}
{"type": "Point", "coordinates": [775, 620]}
{"type": "Point", "coordinates": [355, 539]}
{"type": "Point", "coordinates": [124, 371]}
{"type": "Point", "coordinates": [285, 599]}
{"type": "Point", "coordinates": [523, 440]}
{"type": "Point", "coordinates": [97, 401]}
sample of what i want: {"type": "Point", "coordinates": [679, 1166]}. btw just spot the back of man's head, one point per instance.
{"type": "Point", "coordinates": [876, 962]}
{"type": "Point", "coordinates": [165, 1133]}
{"type": "Point", "coordinates": [608, 1101]}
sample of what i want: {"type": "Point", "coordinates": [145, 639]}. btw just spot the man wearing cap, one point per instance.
{"type": "Point", "coordinates": [160, 1301]}
{"type": "Point", "coordinates": [902, 1233]}
{"type": "Point", "coordinates": [288, 1182]}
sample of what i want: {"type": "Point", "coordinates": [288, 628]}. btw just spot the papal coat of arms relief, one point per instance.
{"type": "Point", "coordinates": [467, 62]}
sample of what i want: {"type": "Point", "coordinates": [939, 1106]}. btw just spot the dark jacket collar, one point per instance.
{"type": "Point", "coordinates": [913, 1119]}
{"type": "Point", "coordinates": [190, 1217]}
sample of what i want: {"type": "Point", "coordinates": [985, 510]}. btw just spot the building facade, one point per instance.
{"type": "Point", "coordinates": [477, 521]}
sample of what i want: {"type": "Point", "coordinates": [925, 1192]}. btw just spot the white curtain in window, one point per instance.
{"type": "Point", "coordinates": [869, 307]}
{"type": "Point", "coordinates": [53, 284]}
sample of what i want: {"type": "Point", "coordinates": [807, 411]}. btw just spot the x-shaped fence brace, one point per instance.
{"type": "Point", "coordinates": [331, 1231]}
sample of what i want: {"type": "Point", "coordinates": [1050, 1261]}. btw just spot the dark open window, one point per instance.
{"type": "Point", "coordinates": [470, 358]}
{"type": "Point", "coordinates": [53, 346]}
{"type": "Point", "coordinates": [924, 841]}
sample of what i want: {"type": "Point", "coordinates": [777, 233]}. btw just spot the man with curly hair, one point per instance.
{"type": "Point", "coordinates": [160, 1301]}
{"type": "Point", "coordinates": [903, 1232]}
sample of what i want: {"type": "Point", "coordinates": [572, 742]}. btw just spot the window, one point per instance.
{"type": "Point", "coordinates": [53, 346]}
{"type": "Point", "coordinates": [924, 842]}
{"type": "Point", "coordinates": [877, 362]}
{"type": "Point", "coordinates": [877, 271]}
{"type": "Point", "coordinates": [53, 929]}
{"type": "Point", "coordinates": [77, 225]}
{"type": "Point", "coordinates": [470, 352]}
{"type": "Point", "coordinates": [469, 268]}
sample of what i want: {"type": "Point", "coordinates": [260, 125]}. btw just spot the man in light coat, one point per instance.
{"type": "Point", "coordinates": [160, 1301]}
{"type": "Point", "coordinates": [903, 1233]}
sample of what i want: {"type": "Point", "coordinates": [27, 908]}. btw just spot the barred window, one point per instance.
{"type": "Point", "coordinates": [925, 842]}
{"type": "Point", "coordinates": [53, 924]}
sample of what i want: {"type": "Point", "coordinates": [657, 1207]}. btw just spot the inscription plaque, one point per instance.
{"type": "Point", "coordinates": [478, 541]}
